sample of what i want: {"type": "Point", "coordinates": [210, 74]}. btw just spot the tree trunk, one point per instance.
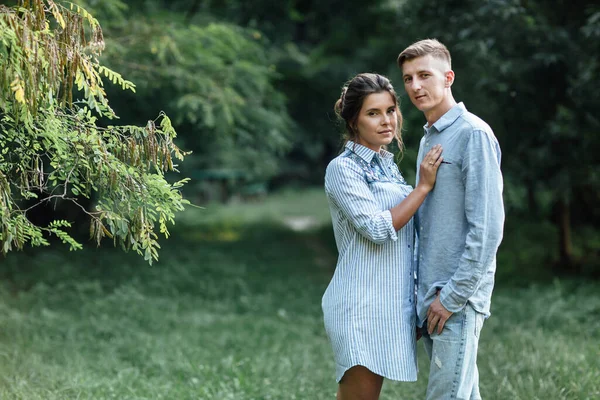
{"type": "Point", "coordinates": [564, 228]}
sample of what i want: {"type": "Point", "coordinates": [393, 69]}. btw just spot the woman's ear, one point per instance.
{"type": "Point", "coordinates": [353, 127]}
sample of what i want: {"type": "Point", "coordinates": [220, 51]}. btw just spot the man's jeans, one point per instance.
{"type": "Point", "coordinates": [453, 354]}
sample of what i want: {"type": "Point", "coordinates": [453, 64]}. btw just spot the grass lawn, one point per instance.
{"type": "Point", "coordinates": [232, 311]}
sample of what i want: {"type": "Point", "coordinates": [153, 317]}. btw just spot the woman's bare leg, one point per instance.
{"type": "Point", "coordinates": [359, 383]}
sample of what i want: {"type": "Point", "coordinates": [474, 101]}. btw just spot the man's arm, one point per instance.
{"type": "Point", "coordinates": [484, 211]}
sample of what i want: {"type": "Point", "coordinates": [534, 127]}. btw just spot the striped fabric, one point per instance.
{"type": "Point", "coordinates": [369, 305]}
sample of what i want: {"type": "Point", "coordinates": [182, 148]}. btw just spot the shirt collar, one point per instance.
{"type": "Point", "coordinates": [366, 153]}
{"type": "Point", "coordinates": [448, 118]}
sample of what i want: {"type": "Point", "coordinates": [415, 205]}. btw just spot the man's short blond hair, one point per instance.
{"type": "Point", "coordinates": [423, 48]}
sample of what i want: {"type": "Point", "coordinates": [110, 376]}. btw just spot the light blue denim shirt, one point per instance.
{"type": "Point", "coordinates": [460, 223]}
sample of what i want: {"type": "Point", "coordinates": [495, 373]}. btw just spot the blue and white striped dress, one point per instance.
{"type": "Point", "coordinates": [369, 305]}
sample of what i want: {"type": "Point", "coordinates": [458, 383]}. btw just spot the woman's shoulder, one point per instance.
{"type": "Point", "coordinates": [343, 168]}
{"type": "Point", "coordinates": [342, 162]}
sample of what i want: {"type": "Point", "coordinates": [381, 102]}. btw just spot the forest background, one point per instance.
{"type": "Point", "coordinates": [249, 87]}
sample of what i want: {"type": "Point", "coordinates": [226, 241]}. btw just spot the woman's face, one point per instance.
{"type": "Point", "coordinates": [377, 120]}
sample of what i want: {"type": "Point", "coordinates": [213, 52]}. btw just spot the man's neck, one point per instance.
{"type": "Point", "coordinates": [433, 115]}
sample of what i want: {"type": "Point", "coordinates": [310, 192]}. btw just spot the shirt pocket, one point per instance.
{"type": "Point", "coordinates": [449, 174]}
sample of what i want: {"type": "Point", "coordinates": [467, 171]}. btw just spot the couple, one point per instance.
{"type": "Point", "coordinates": [450, 246]}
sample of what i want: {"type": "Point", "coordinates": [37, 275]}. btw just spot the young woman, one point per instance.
{"type": "Point", "coordinates": [369, 305]}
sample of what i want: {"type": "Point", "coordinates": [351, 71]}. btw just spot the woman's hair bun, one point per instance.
{"type": "Point", "coordinates": [339, 104]}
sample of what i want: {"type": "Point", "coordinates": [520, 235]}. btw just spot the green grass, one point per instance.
{"type": "Point", "coordinates": [232, 311]}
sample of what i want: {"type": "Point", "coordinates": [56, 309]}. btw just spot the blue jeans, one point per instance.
{"type": "Point", "coordinates": [453, 354]}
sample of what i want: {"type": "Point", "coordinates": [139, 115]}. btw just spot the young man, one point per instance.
{"type": "Point", "coordinates": [459, 224]}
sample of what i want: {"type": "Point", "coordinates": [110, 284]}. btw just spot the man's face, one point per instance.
{"type": "Point", "coordinates": [427, 81]}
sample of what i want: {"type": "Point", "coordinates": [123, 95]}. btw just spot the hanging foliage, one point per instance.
{"type": "Point", "coordinates": [52, 148]}
{"type": "Point", "coordinates": [218, 81]}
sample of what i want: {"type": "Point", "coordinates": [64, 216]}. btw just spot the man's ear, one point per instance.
{"type": "Point", "coordinates": [449, 78]}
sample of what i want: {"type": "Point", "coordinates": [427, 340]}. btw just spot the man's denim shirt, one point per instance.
{"type": "Point", "coordinates": [460, 222]}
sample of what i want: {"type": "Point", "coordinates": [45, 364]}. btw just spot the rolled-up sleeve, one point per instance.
{"type": "Point", "coordinates": [484, 211]}
{"type": "Point", "coordinates": [347, 188]}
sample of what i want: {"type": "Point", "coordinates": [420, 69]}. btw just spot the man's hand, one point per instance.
{"type": "Point", "coordinates": [437, 315]}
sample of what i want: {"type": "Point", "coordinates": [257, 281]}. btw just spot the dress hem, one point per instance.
{"type": "Point", "coordinates": [341, 370]}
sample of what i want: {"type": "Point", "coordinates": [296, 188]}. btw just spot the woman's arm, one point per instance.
{"type": "Point", "coordinates": [403, 212]}
{"type": "Point", "coordinates": [345, 185]}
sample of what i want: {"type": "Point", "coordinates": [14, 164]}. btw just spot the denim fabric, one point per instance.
{"type": "Point", "coordinates": [453, 355]}
{"type": "Point", "coordinates": [460, 222]}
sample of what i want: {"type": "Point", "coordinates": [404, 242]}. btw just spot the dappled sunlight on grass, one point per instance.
{"type": "Point", "coordinates": [286, 210]}
{"type": "Point", "coordinates": [310, 205]}
{"type": "Point", "coordinates": [223, 235]}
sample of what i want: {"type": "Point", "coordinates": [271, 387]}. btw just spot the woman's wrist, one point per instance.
{"type": "Point", "coordinates": [423, 188]}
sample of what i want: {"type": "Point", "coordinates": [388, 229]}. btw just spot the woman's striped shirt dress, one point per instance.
{"type": "Point", "coordinates": [369, 305]}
